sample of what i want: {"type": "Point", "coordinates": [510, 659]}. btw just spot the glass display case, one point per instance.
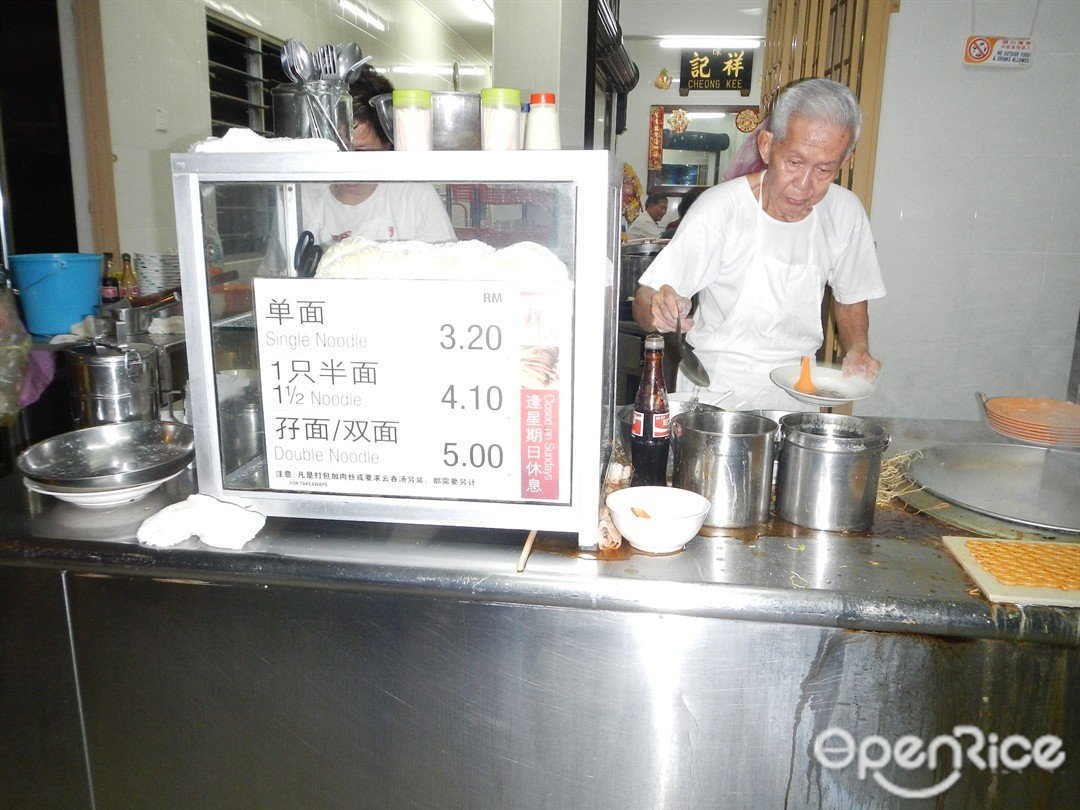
{"type": "Point", "coordinates": [416, 337]}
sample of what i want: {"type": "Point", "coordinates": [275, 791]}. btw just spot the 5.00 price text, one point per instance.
{"type": "Point", "coordinates": [477, 455]}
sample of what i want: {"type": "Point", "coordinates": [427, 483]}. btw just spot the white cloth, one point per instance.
{"type": "Point", "coordinates": [219, 522]}
{"type": "Point", "coordinates": [172, 325]}
{"type": "Point", "coordinates": [394, 211]}
{"type": "Point", "coordinates": [241, 139]}
{"type": "Point", "coordinates": [761, 283]}
{"type": "Point", "coordinates": [643, 226]}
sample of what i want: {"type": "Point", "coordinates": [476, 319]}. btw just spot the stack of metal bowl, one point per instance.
{"type": "Point", "coordinates": [105, 466]}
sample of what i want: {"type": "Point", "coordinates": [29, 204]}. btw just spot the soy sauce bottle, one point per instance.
{"type": "Point", "coordinates": [650, 432]}
{"type": "Point", "coordinates": [110, 281]}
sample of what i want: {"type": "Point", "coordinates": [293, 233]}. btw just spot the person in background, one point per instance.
{"type": "Point", "coordinates": [631, 196]}
{"type": "Point", "coordinates": [647, 224]}
{"type": "Point", "coordinates": [684, 206]}
{"type": "Point", "coordinates": [760, 250]}
{"type": "Point", "coordinates": [378, 211]}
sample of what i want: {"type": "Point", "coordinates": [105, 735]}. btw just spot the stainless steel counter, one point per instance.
{"type": "Point", "coordinates": [898, 578]}
{"type": "Point", "coordinates": [412, 666]}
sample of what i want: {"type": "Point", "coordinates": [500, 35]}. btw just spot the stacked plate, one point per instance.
{"type": "Point", "coordinates": [157, 272]}
{"type": "Point", "coordinates": [1039, 421]}
{"type": "Point", "coordinates": [108, 465]}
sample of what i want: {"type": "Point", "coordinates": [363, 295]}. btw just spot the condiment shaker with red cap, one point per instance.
{"type": "Point", "coordinates": [542, 123]}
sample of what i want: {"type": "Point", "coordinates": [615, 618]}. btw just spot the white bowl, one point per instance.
{"type": "Point", "coordinates": [675, 515]}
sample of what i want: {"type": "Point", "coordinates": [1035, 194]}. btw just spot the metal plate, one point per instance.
{"type": "Point", "coordinates": [110, 456]}
{"type": "Point", "coordinates": [1029, 485]}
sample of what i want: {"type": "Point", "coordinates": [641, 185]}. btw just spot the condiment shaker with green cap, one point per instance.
{"type": "Point", "coordinates": [412, 120]}
{"type": "Point", "coordinates": [500, 118]}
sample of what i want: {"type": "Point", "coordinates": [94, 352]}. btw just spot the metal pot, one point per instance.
{"type": "Point", "coordinates": [633, 261]}
{"type": "Point", "coordinates": [109, 384]}
{"type": "Point", "coordinates": [828, 470]}
{"type": "Point", "coordinates": [125, 319]}
{"type": "Point", "coordinates": [728, 458]}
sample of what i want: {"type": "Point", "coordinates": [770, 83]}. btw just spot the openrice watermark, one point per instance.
{"type": "Point", "coordinates": [836, 748]}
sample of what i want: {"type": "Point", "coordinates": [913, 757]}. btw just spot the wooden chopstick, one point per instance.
{"type": "Point", "coordinates": [526, 551]}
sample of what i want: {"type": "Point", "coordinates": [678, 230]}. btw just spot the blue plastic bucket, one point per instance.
{"type": "Point", "coordinates": [57, 290]}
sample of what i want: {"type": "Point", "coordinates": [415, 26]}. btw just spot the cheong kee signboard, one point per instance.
{"type": "Point", "coordinates": [716, 69]}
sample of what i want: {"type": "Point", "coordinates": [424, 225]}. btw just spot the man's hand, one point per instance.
{"type": "Point", "coordinates": [658, 310]}
{"type": "Point", "coordinates": [858, 362]}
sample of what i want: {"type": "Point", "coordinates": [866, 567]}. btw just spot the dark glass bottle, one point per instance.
{"type": "Point", "coordinates": [110, 281]}
{"type": "Point", "coordinates": [650, 432]}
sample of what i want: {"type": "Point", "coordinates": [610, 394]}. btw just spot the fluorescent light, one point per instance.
{"type": "Point", "coordinates": [364, 16]}
{"type": "Point", "coordinates": [700, 116]}
{"type": "Point", "coordinates": [707, 43]}
{"type": "Point", "coordinates": [479, 10]}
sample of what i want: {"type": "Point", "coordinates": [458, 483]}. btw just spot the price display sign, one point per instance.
{"type": "Point", "coordinates": [417, 388]}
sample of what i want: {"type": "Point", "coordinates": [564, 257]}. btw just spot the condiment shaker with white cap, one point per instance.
{"type": "Point", "coordinates": [542, 123]}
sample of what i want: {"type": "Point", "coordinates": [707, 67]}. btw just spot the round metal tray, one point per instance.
{"type": "Point", "coordinates": [1018, 483]}
{"type": "Point", "coordinates": [110, 456]}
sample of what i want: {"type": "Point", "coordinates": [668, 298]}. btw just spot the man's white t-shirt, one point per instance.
{"type": "Point", "coordinates": [643, 226]}
{"type": "Point", "coordinates": [716, 243]}
{"type": "Point", "coordinates": [394, 211]}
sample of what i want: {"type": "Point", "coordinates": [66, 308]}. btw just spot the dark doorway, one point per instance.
{"type": "Point", "coordinates": [37, 164]}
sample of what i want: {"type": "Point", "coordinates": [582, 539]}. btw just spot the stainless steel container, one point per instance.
{"type": "Point", "coordinates": [633, 261]}
{"type": "Point", "coordinates": [108, 384]}
{"type": "Point", "coordinates": [455, 120]}
{"type": "Point", "coordinates": [728, 458]}
{"type": "Point", "coordinates": [828, 470]}
{"type": "Point", "coordinates": [241, 431]}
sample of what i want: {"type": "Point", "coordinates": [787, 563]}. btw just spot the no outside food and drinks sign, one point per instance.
{"type": "Point", "coordinates": [997, 51]}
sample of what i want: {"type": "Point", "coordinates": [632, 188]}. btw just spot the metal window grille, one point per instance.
{"type": "Point", "coordinates": [243, 66]}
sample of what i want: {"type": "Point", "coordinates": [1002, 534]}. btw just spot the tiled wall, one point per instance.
{"type": "Point", "coordinates": [976, 210]}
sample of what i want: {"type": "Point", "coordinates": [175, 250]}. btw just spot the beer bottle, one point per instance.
{"type": "Point", "coordinates": [129, 280]}
{"type": "Point", "coordinates": [650, 432]}
{"type": "Point", "coordinates": [110, 281]}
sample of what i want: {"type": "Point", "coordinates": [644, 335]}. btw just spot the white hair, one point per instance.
{"type": "Point", "coordinates": [820, 100]}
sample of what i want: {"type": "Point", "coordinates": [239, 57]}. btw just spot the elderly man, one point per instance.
{"type": "Point", "coordinates": [647, 224]}
{"type": "Point", "coordinates": [760, 249]}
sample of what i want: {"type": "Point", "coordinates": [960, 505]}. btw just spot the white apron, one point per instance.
{"type": "Point", "coordinates": [775, 320]}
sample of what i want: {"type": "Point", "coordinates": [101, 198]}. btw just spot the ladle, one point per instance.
{"type": "Point", "coordinates": [689, 364]}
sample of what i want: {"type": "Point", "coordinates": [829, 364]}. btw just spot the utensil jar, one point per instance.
{"type": "Point", "coordinates": [317, 109]}
{"type": "Point", "coordinates": [828, 471]}
{"type": "Point", "coordinates": [726, 456]}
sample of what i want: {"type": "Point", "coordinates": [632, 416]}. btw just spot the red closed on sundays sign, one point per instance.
{"type": "Point", "coordinates": [539, 444]}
